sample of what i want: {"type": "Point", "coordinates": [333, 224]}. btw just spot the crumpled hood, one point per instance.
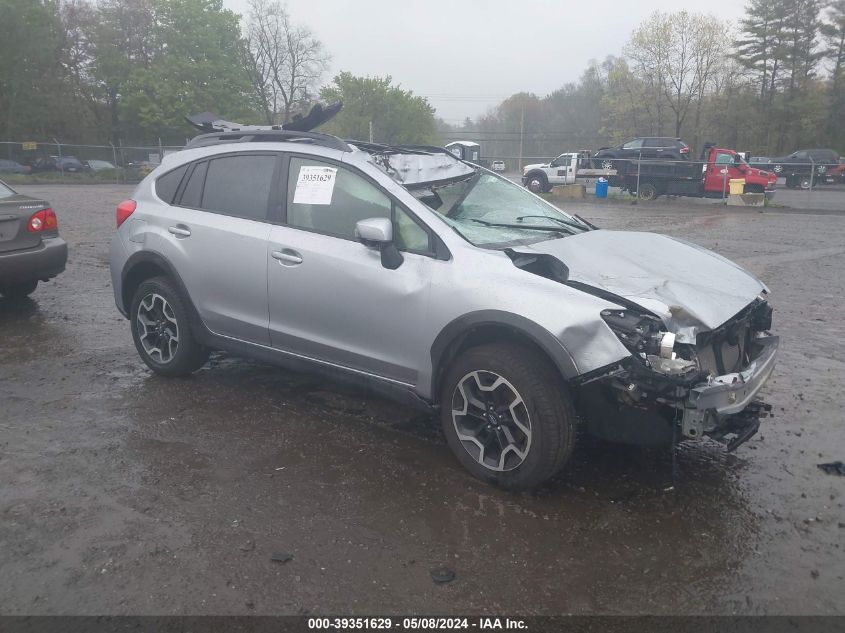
{"type": "Point", "coordinates": [689, 287]}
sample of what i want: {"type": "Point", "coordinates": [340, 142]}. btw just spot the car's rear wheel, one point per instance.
{"type": "Point", "coordinates": [648, 191]}
{"type": "Point", "coordinates": [507, 416]}
{"type": "Point", "coordinates": [161, 329]}
{"type": "Point", "coordinates": [805, 182]}
{"type": "Point", "coordinates": [18, 290]}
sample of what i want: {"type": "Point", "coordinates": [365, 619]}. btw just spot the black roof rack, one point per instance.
{"type": "Point", "coordinates": [268, 136]}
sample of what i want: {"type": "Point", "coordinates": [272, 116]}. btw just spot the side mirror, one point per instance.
{"type": "Point", "coordinates": [374, 231]}
{"type": "Point", "coordinates": [378, 233]}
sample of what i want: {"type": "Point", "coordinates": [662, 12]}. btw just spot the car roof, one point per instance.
{"type": "Point", "coordinates": [412, 166]}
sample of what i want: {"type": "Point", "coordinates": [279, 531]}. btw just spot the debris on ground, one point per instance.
{"type": "Point", "coordinates": [281, 557]}
{"type": "Point", "coordinates": [442, 575]}
{"type": "Point", "coordinates": [833, 468]}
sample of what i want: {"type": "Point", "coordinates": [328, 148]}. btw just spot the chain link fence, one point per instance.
{"type": "Point", "coordinates": [800, 184]}
{"type": "Point", "coordinates": [807, 185]}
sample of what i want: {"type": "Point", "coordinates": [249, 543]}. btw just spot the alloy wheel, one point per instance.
{"type": "Point", "coordinates": [491, 420]}
{"type": "Point", "coordinates": [158, 329]}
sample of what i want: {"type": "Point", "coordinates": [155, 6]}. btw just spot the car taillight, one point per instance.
{"type": "Point", "coordinates": [44, 220]}
{"type": "Point", "coordinates": [685, 150]}
{"type": "Point", "coordinates": [124, 210]}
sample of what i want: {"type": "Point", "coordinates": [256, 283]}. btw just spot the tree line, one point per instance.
{"type": "Point", "coordinates": [128, 71]}
{"type": "Point", "coordinates": [773, 84]}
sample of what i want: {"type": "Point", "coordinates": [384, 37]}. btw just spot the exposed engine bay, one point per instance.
{"type": "Point", "coordinates": [668, 390]}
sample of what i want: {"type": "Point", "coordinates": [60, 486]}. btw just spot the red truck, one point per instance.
{"type": "Point", "coordinates": [708, 177]}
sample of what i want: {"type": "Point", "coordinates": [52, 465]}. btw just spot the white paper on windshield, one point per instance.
{"type": "Point", "coordinates": [315, 185]}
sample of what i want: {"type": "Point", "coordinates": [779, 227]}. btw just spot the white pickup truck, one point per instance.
{"type": "Point", "coordinates": [563, 170]}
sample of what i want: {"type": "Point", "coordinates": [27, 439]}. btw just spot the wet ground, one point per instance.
{"type": "Point", "coordinates": [125, 493]}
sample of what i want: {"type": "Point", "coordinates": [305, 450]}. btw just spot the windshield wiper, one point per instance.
{"type": "Point", "coordinates": [554, 219]}
{"type": "Point", "coordinates": [529, 227]}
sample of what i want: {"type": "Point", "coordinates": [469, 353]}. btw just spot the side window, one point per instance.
{"type": "Point", "coordinates": [800, 155]}
{"type": "Point", "coordinates": [167, 185]}
{"type": "Point", "coordinates": [635, 144]}
{"type": "Point", "coordinates": [239, 186]}
{"type": "Point", "coordinates": [724, 159]}
{"type": "Point", "coordinates": [653, 142]}
{"type": "Point", "coordinates": [331, 199]}
{"type": "Point", "coordinates": [192, 195]}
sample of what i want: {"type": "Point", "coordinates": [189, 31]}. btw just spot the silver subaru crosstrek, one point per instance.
{"type": "Point", "coordinates": [439, 283]}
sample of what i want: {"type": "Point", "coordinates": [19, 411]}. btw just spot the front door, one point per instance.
{"type": "Point", "coordinates": [564, 171]}
{"type": "Point", "coordinates": [331, 299]}
{"type": "Point", "coordinates": [718, 174]}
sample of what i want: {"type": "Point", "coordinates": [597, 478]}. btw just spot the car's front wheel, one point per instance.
{"type": "Point", "coordinates": [162, 331]}
{"type": "Point", "coordinates": [538, 183]}
{"type": "Point", "coordinates": [18, 290]}
{"type": "Point", "coordinates": [507, 416]}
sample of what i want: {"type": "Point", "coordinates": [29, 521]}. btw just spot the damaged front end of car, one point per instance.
{"type": "Point", "coordinates": [667, 391]}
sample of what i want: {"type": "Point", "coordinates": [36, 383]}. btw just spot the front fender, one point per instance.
{"type": "Point", "coordinates": [465, 324]}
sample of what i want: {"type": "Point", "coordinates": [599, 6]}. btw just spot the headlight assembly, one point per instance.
{"type": "Point", "coordinates": [645, 338]}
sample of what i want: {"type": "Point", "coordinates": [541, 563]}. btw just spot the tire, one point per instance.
{"type": "Point", "coordinates": [544, 409]}
{"type": "Point", "coordinates": [648, 191]}
{"type": "Point", "coordinates": [164, 316]}
{"type": "Point", "coordinates": [777, 169]}
{"type": "Point", "coordinates": [754, 189]}
{"type": "Point", "coordinates": [821, 169]}
{"type": "Point", "coordinates": [537, 183]}
{"type": "Point", "coordinates": [18, 290]}
{"type": "Point", "coordinates": [804, 182]}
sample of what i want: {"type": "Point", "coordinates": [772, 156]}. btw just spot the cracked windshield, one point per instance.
{"type": "Point", "coordinates": [491, 211]}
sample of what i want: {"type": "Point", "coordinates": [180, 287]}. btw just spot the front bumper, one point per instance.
{"type": "Point", "coordinates": [43, 262]}
{"type": "Point", "coordinates": [726, 405]}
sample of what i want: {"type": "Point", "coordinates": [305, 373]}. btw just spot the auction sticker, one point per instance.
{"type": "Point", "coordinates": [315, 185]}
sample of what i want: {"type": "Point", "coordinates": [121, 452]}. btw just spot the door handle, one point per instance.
{"type": "Point", "coordinates": [179, 231]}
{"type": "Point", "coordinates": [287, 257]}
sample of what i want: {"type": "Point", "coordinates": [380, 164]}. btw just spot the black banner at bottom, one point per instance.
{"type": "Point", "coordinates": [284, 624]}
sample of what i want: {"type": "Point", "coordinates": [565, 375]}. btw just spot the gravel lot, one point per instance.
{"type": "Point", "coordinates": [125, 493]}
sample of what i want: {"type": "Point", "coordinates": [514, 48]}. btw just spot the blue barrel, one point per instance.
{"type": "Point", "coordinates": [601, 188]}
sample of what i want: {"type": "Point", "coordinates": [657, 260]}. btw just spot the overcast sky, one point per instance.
{"type": "Point", "coordinates": [467, 55]}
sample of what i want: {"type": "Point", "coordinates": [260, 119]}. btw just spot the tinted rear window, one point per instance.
{"type": "Point", "coordinates": [167, 185]}
{"type": "Point", "coordinates": [239, 186]}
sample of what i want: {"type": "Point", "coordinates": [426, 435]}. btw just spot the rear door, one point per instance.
{"type": "Point", "coordinates": [217, 239]}
{"type": "Point", "coordinates": [15, 212]}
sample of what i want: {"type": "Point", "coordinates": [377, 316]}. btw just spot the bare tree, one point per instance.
{"type": "Point", "coordinates": [678, 55]}
{"type": "Point", "coordinates": [284, 60]}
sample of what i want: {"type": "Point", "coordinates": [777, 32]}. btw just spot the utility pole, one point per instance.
{"type": "Point", "coordinates": [521, 133]}
{"type": "Point", "coordinates": [371, 131]}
